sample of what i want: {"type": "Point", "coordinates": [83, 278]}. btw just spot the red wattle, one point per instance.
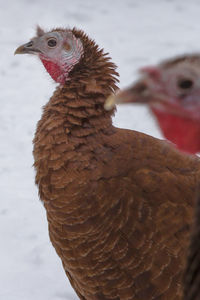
{"type": "Point", "coordinates": [183, 132]}
{"type": "Point", "coordinates": [54, 70]}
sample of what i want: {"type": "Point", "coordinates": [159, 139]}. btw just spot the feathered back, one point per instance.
{"type": "Point", "coordinates": [192, 274]}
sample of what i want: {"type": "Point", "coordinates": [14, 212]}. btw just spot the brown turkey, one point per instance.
{"type": "Point", "coordinates": [171, 90]}
{"type": "Point", "coordinates": [119, 202]}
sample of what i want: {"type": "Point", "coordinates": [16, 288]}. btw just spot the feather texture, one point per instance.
{"type": "Point", "coordinates": [192, 274]}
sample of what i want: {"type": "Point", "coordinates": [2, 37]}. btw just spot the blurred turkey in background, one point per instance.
{"type": "Point", "coordinates": [172, 92]}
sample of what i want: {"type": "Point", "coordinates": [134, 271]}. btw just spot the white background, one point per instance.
{"type": "Point", "coordinates": [135, 33]}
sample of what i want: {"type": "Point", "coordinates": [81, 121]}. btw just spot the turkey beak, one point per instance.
{"type": "Point", "coordinates": [111, 101]}
{"type": "Point", "coordinates": [27, 48]}
{"type": "Point", "coordinates": [129, 95]}
{"type": "Point", "coordinates": [137, 93]}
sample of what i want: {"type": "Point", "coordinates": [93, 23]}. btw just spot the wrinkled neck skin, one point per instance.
{"type": "Point", "coordinates": [58, 72]}
{"type": "Point", "coordinates": [60, 66]}
{"type": "Point", "coordinates": [181, 131]}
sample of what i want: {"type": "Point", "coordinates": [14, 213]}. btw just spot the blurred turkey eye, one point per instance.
{"type": "Point", "coordinates": [52, 43]}
{"type": "Point", "coordinates": [140, 88]}
{"type": "Point", "coordinates": [185, 83]}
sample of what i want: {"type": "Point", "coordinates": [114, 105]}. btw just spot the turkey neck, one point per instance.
{"type": "Point", "coordinates": [183, 132]}
{"type": "Point", "coordinates": [71, 133]}
{"type": "Point", "coordinates": [80, 108]}
{"type": "Point", "coordinates": [80, 102]}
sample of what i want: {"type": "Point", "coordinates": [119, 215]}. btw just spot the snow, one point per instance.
{"type": "Point", "coordinates": [135, 33]}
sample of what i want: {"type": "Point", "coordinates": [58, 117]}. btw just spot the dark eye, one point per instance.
{"type": "Point", "coordinates": [52, 43]}
{"type": "Point", "coordinates": [185, 83]}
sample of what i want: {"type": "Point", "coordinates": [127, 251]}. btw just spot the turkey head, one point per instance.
{"type": "Point", "coordinates": [172, 91]}
{"type": "Point", "coordinates": [58, 50]}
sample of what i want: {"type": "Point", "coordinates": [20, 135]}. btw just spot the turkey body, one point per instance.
{"type": "Point", "coordinates": [119, 203]}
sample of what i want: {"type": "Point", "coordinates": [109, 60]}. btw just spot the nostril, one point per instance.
{"type": "Point", "coordinates": [30, 44]}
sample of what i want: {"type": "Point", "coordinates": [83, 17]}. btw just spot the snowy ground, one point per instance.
{"type": "Point", "coordinates": [136, 33]}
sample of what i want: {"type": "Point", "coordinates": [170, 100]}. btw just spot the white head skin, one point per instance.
{"type": "Point", "coordinates": [58, 50]}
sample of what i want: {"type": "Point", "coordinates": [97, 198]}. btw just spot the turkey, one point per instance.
{"type": "Point", "coordinates": [119, 203]}
{"type": "Point", "coordinates": [172, 91]}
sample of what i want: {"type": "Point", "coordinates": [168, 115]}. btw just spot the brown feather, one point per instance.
{"type": "Point", "coordinates": [192, 272]}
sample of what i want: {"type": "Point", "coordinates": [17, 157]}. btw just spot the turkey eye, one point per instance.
{"type": "Point", "coordinates": [140, 88]}
{"type": "Point", "coordinates": [185, 83]}
{"type": "Point", "coordinates": [52, 43]}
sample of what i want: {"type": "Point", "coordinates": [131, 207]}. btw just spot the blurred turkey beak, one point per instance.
{"type": "Point", "coordinates": [138, 93]}
{"type": "Point", "coordinates": [133, 94]}
{"type": "Point", "coordinates": [27, 48]}
{"type": "Point", "coordinates": [120, 97]}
